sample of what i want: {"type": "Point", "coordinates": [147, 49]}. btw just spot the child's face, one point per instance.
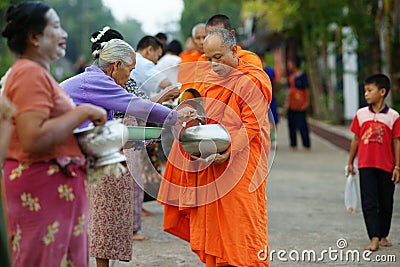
{"type": "Point", "coordinates": [373, 94]}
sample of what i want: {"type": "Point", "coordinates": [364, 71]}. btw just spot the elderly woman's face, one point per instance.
{"type": "Point", "coordinates": [121, 72]}
{"type": "Point", "coordinates": [221, 58]}
{"type": "Point", "coordinates": [52, 42]}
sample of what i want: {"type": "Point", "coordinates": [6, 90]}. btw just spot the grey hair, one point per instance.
{"type": "Point", "coordinates": [224, 35]}
{"type": "Point", "coordinates": [111, 51]}
{"type": "Point", "coordinates": [197, 26]}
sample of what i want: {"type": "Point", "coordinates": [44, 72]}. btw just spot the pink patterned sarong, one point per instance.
{"type": "Point", "coordinates": [47, 215]}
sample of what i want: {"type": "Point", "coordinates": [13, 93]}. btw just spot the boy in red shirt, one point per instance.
{"type": "Point", "coordinates": [376, 129]}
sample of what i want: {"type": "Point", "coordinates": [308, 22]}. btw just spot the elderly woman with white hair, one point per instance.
{"type": "Point", "coordinates": [111, 197]}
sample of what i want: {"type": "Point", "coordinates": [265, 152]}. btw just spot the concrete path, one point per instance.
{"type": "Point", "coordinates": [308, 223]}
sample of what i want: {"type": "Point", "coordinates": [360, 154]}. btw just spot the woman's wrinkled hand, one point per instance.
{"type": "Point", "coordinates": [96, 114]}
{"type": "Point", "coordinates": [187, 114]}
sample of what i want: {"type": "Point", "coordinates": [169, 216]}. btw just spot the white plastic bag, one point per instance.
{"type": "Point", "coordinates": [351, 199]}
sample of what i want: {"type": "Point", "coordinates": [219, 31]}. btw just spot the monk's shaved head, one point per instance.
{"type": "Point", "coordinates": [201, 27]}
{"type": "Point", "coordinates": [226, 37]}
{"type": "Point", "coordinates": [219, 20]}
{"type": "Point", "coordinates": [198, 34]}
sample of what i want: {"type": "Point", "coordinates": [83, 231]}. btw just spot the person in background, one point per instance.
{"type": "Point", "coordinates": [152, 81]}
{"type": "Point", "coordinates": [273, 114]}
{"type": "Point", "coordinates": [163, 39]}
{"type": "Point", "coordinates": [168, 64]}
{"type": "Point", "coordinates": [218, 203]}
{"type": "Point", "coordinates": [297, 104]}
{"type": "Point", "coordinates": [187, 67]}
{"type": "Point", "coordinates": [194, 44]}
{"type": "Point", "coordinates": [80, 64]}
{"type": "Point", "coordinates": [44, 174]}
{"type": "Point", "coordinates": [7, 110]}
{"type": "Point", "coordinates": [189, 46]}
{"type": "Point", "coordinates": [376, 140]}
{"type": "Point", "coordinates": [148, 78]}
{"type": "Point", "coordinates": [111, 196]}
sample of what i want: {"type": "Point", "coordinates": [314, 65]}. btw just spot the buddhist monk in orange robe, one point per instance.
{"type": "Point", "coordinates": [222, 21]}
{"type": "Point", "coordinates": [218, 202]}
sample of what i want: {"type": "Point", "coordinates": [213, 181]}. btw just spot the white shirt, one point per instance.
{"type": "Point", "coordinates": [168, 64]}
{"type": "Point", "coordinates": [147, 76]}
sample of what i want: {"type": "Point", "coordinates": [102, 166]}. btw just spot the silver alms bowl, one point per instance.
{"type": "Point", "coordinates": [203, 140]}
{"type": "Point", "coordinates": [103, 143]}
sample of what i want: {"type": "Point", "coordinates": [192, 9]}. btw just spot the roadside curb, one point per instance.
{"type": "Point", "coordinates": [339, 136]}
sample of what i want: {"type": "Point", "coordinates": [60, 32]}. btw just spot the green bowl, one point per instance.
{"type": "Point", "coordinates": [143, 133]}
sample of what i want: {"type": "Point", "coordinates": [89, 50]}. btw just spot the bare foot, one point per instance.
{"type": "Point", "coordinates": [350, 210]}
{"type": "Point", "coordinates": [384, 242]}
{"type": "Point", "coordinates": [138, 237]}
{"type": "Point", "coordinates": [374, 245]}
{"type": "Point", "coordinates": [147, 213]}
{"type": "Point", "coordinates": [293, 149]}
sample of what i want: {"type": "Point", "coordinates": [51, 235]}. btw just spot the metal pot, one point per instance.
{"type": "Point", "coordinates": [103, 143]}
{"type": "Point", "coordinates": [206, 139]}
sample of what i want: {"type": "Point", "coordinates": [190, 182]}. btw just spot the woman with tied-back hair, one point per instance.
{"type": "Point", "coordinates": [111, 197]}
{"type": "Point", "coordinates": [135, 164]}
{"type": "Point", "coordinates": [44, 178]}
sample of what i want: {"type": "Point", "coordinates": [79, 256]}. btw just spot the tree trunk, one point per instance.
{"type": "Point", "coordinates": [395, 49]}
{"type": "Point", "coordinates": [315, 79]}
{"type": "Point", "coordinates": [332, 103]}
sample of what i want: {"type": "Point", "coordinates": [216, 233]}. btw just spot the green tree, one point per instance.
{"type": "Point", "coordinates": [131, 30]}
{"type": "Point", "coordinates": [80, 19]}
{"type": "Point", "coordinates": [310, 23]}
{"type": "Point", "coordinates": [200, 10]}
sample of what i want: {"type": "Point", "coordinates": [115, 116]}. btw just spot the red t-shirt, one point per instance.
{"type": "Point", "coordinates": [31, 88]}
{"type": "Point", "coordinates": [376, 132]}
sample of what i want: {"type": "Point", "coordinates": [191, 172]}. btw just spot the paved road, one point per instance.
{"type": "Point", "coordinates": [306, 215]}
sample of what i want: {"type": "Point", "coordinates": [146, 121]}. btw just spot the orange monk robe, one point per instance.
{"type": "Point", "coordinates": [176, 220]}
{"type": "Point", "coordinates": [249, 57]}
{"type": "Point", "coordinates": [227, 221]}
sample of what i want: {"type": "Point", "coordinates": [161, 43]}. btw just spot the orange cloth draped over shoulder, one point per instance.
{"type": "Point", "coordinates": [249, 57]}
{"type": "Point", "coordinates": [186, 68]}
{"type": "Point", "coordinates": [221, 208]}
{"type": "Point", "coordinates": [202, 68]}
